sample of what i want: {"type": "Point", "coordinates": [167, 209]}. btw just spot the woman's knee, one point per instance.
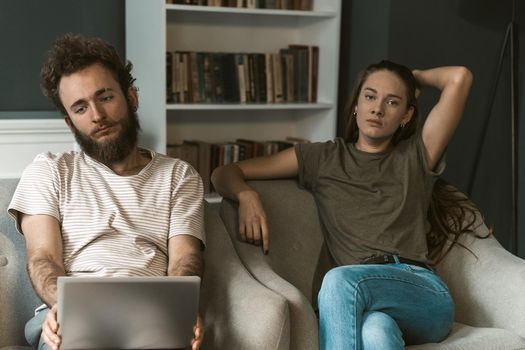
{"type": "Point", "coordinates": [380, 331]}
{"type": "Point", "coordinates": [335, 285]}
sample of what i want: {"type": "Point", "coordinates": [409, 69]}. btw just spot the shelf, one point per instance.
{"type": "Point", "coordinates": [249, 106]}
{"type": "Point", "coordinates": [154, 27]}
{"type": "Point", "coordinates": [252, 12]}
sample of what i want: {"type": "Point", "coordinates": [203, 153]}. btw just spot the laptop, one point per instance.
{"type": "Point", "coordinates": [127, 312]}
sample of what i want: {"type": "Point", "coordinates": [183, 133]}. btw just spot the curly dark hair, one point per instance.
{"type": "Point", "coordinates": [72, 53]}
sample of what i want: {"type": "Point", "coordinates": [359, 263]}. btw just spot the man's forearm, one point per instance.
{"type": "Point", "coordinates": [187, 265]}
{"type": "Point", "coordinates": [44, 273]}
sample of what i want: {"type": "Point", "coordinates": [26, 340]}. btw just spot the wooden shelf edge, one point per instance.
{"type": "Point", "coordinates": [248, 106]}
{"type": "Point", "coordinates": [249, 11]}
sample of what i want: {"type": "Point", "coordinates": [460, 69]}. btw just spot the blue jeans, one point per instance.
{"type": "Point", "coordinates": [382, 307]}
{"type": "Point", "coordinates": [33, 330]}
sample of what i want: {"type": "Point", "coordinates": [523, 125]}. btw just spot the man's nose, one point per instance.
{"type": "Point", "coordinates": [98, 113]}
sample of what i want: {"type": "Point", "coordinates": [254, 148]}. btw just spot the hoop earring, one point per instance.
{"type": "Point", "coordinates": [402, 125]}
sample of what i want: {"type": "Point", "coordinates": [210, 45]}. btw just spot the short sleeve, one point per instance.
{"type": "Point", "coordinates": [310, 157]}
{"type": "Point", "coordinates": [37, 192]}
{"type": "Point", "coordinates": [187, 210]}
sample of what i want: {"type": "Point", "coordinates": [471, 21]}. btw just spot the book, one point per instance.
{"type": "Point", "coordinates": [269, 78]}
{"type": "Point", "coordinates": [230, 79]}
{"type": "Point", "coordinates": [301, 74]}
{"type": "Point", "coordinates": [239, 58]}
{"type": "Point", "coordinates": [203, 161]}
{"type": "Point", "coordinates": [186, 152]}
{"type": "Point", "coordinates": [194, 86]}
{"type": "Point", "coordinates": [252, 148]}
{"type": "Point", "coordinates": [287, 73]}
{"type": "Point", "coordinates": [277, 78]}
{"type": "Point", "coordinates": [169, 78]}
{"type": "Point", "coordinates": [260, 77]}
{"type": "Point", "coordinates": [315, 72]}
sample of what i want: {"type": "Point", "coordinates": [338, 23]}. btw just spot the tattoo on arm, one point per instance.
{"type": "Point", "coordinates": [44, 273]}
{"type": "Point", "coordinates": [188, 265]}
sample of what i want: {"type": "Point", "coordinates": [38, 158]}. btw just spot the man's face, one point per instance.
{"type": "Point", "coordinates": [99, 115]}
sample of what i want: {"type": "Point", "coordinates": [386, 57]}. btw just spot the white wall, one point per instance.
{"type": "Point", "coordinates": [22, 139]}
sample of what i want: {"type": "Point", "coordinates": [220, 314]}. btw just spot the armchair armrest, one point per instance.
{"type": "Point", "coordinates": [487, 287]}
{"type": "Point", "coordinates": [238, 311]}
{"type": "Point", "coordinates": [295, 247]}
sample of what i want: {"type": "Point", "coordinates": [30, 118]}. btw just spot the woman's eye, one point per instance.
{"type": "Point", "coordinates": [369, 97]}
{"type": "Point", "coordinates": [392, 102]}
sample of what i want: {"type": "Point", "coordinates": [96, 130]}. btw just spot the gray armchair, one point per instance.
{"type": "Point", "coordinates": [238, 311]}
{"type": "Point", "coordinates": [488, 288]}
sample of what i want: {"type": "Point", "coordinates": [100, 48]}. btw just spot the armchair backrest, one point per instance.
{"type": "Point", "coordinates": [17, 298]}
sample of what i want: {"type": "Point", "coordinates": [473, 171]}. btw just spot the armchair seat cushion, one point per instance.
{"type": "Point", "coordinates": [466, 337]}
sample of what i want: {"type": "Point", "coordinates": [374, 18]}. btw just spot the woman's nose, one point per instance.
{"type": "Point", "coordinates": [378, 109]}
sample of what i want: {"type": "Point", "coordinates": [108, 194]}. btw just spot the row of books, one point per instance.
{"type": "Point", "coordinates": [289, 76]}
{"type": "Point", "coordinates": [206, 156]}
{"type": "Point", "coordinates": [303, 5]}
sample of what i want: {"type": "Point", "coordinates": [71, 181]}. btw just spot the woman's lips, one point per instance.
{"type": "Point", "coordinates": [374, 122]}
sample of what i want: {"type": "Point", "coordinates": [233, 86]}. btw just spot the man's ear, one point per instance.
{"type": "Point", "coordinates": [133, 98]}
{"type": "Point", "coordinates": [69, 123]}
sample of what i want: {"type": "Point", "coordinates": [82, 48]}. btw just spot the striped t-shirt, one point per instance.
{"type": "Point", "coordinates": [113, 225]}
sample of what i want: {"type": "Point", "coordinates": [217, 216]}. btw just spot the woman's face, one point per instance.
{"type": "Point", "coordinates": [381, 108]}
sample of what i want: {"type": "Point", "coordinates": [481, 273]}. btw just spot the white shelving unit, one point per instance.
{"type": "Point", "coordinates": [153, 27]}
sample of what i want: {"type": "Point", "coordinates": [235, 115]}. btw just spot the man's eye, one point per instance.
{"type": "Point", "coordinates": [79, 110]}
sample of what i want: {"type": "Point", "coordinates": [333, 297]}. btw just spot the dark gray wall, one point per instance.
{"type": "Point", "coordinates": [28, 28]}
{"type": "Point", "coordinates": [520, 10]}
{"type": "Point", "coordinates": [423, 34]}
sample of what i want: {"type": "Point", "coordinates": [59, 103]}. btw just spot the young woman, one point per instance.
{"type": "Point", "coordinates": [373, 191]}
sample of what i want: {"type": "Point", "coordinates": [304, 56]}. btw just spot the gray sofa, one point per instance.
{"type": "Point", "coordinates": [238, 311]}
{"type": "Point", "coordinates": [488, 288]}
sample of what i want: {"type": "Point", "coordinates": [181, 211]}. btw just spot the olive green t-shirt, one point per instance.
{"type": "Point", "coordinates": [370, 203]}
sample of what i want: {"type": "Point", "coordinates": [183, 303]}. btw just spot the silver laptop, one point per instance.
{"type": "Point", "coordinates": [127, 312]}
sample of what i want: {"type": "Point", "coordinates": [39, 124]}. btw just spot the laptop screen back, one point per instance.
{"type": "Point", "coordinates": [127, 312]}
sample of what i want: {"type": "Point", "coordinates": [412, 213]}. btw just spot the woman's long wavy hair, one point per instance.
{"type": "Point", "coordinates": [451, 212]}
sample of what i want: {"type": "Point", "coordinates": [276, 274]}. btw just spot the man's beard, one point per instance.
{"type": "Point", "coordinates": [114, 150]}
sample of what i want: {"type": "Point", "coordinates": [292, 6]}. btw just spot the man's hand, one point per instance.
{"type": "Point", "coordinates": [198, 331]}
{"type": "Point", "coordinates": [50, 329]}
{"type": "Point", "coordinates": [253, 225]}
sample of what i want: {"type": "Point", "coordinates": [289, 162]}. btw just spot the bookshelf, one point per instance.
{"type": "Point", "coordinates": [154, 27]}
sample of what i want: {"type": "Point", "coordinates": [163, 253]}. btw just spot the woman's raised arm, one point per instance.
{"type": "Point", "coordinates": [443, 119]}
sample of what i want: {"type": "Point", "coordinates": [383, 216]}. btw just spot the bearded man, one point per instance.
{"type": "Point", "coordinates": [111, 209]}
